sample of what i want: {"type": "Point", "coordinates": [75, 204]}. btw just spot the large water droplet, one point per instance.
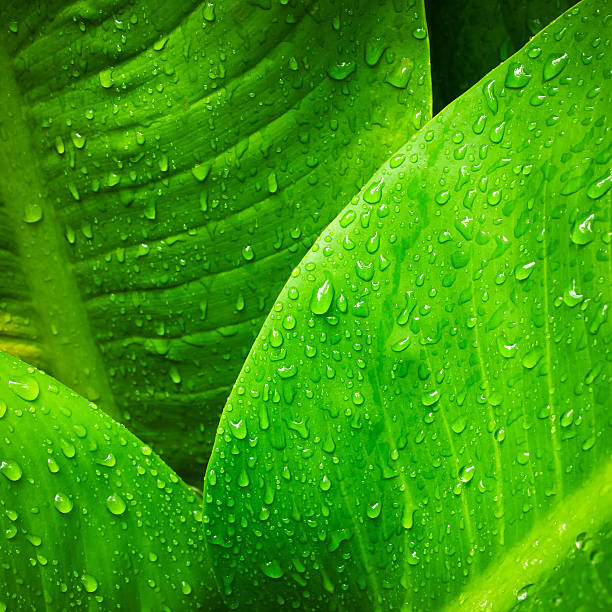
{"type": "Point", "coordinates": [554, 65]}
{"type": "Point", "coordinates": [582, 232]}
{"type": "Point", "coordinates": [63, 503]}
{"type": "Point", "coordinates": [517, 77]}
{"type": "Point", "coordinates": [322, 297]}
{"type": "Point", "coordinates": [238, 429]}
{"type": "Point", "coordinates": [11, 470]}
{"type": "Point", "coordinates": [90, 584]}
{"type": "Point", "coordinates": [272, 569]}
{"type": "Point", "coordinates": [26, 388]}
{"type": "Point", "coordinates": [115, 504]}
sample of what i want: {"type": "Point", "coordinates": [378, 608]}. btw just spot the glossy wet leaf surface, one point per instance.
{"type": "Point", "coordinates": [90, 517]}
{"type": "Point", "coordinates": [425, 410]}
{"type": "Point", "coordinates": [165, 165]}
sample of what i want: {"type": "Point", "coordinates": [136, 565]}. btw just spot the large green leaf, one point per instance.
{"type": "Point", "coordinates": [423, 420]}
{"type": "Point", "coordinates": [470, 37]}
{"type": "Point", "coordinates": [90, 517]}
{"type": "Point", "coordinates": [165, 165]}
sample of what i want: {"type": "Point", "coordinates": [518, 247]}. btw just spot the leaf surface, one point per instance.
{"type": "Point", "coordinates": [165, 165]}
{"type": "Point", "coordinates": [90, 517]}
{"type": "Point", "coordinates": [423, 421]}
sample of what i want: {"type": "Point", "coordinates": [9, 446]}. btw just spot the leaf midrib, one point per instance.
{"type": "Point", "coordinates": [553, 534]}
{"type": "Point", "coordinates": [62, 323]}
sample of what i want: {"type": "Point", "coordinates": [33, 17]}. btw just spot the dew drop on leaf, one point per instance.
{"type": "Point", "coordinates": [26, 388]}
{"type": "Point", "coordinates": [63, 503]}
{"type": "Point", "coordinates": [115, 504]}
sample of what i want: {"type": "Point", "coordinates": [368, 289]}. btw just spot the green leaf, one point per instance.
{"type": "Point", "coordinates": [423, 421]}
{"type": "Point", "coordinates": [90, 517]}
{"type": "Point", "coordinates": [470, 37]}
{"type": "Point", "coordinates": [169, 163]}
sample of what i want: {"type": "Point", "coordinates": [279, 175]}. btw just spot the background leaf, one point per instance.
{"type": "Point", "coordinates": [165, 165]}
{"type": "Point", "coordinates": [428, 400]}
{"type": "Point", "coordinates": [470, 37]}
{"type": "Point", "coordinates": [90, 517]}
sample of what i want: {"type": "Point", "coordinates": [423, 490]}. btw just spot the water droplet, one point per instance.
{"type": "Point", "coordinates": [90, 584]}
{"type": "Point", "coordinates": [431, 398]}
{"type": "Point", "coordinates": [554, 65]}
{"type": "Point", "coordinates": [33, 213]}
{"type": "Point", "coordinates": [106, 78]}
{"type": "Point", "coordinates": [459, 424]}
{"type": "Point", "coordinates": [373, 510]}
{"type": "Point", "coordinates": [500, 435]}
{"type": "Point", "coordinates": [523, 272]}
{"type": "Point", "coordinates": [63, 503]}
{"type": "Point", "coordinates": [53, 466]}
{"type": "Point", "coordinates": [601, 186]}
{"type": "Point", "coordinates": [11, 470]}
{"type": "Point", "coordinates": [506, 349]}
{"type": "Point", "coordinates": [325, 483]}
{"type": "Point", "coordinates": [488, 91]}
{"type": "Point", "coordinates": [582, 232]}
{"type": "Point", "coordinates": [373, 193]}
{"type": "Point", "coordinates": [342, 69]}
{"type": "Point", "coordinates": [185, 587]}
{"type": "Point", "coordinates": [208, 12]}
{"type": "Point", "coordinates": [108, 461]}
{"type": "Point", "coordinates": [248, 253]}
{"type": "Point", "coordinates": [571, 297]}
{"type": "Point", "coordinates": [272, 183]}
{"type": "Point", "coordinates": [238, 429]}
{"type": "Point", "coordinates": [400, 75]}
{"type": "Point", "coordinates": [374, 48]}
{"type": "Point", "coordinates": [200, 171]}
{"type": "Point", "coordinates": [275, 337]}
{"type": "Point", "coordinates": [26, 388]}
{"type": "Point", "coordinates": [497, 132]}
{"type": "Point", "coordinates": [517, 76]}
{"type": "Point", "coordinates": [408, 517]}
{"type": "Point", "coordinates": [442, 197]}
{"type": "Point", "coordinates": [466, 473]}
{"type": "Point", "coordinates": [78, 140]}
{"type": "Point", "coordinates": [115, 504]}
{"type": "Point", "coordinates": [272, 569]}
{"type": "Point", "coordinates": [322, 296]}
{"type": "Point", "coordinates": [532, 358]}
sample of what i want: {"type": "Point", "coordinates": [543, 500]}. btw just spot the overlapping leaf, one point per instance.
{"type": "Point", "coordinates": [423, 421]}
{"type": "Point", "coordinates": [165, 165]}
{"type": "Point", "coordinates": [90, 517]}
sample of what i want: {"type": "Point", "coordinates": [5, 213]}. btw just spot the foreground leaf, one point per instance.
{"type": "Point", "coordinates": [91, 518]}
{"type": "Point", "coordinates": [423, 420]}
{"type": "Point", "coordinates": [470, 37]}
{"type": "Point", "coordinates": [165, 165]}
